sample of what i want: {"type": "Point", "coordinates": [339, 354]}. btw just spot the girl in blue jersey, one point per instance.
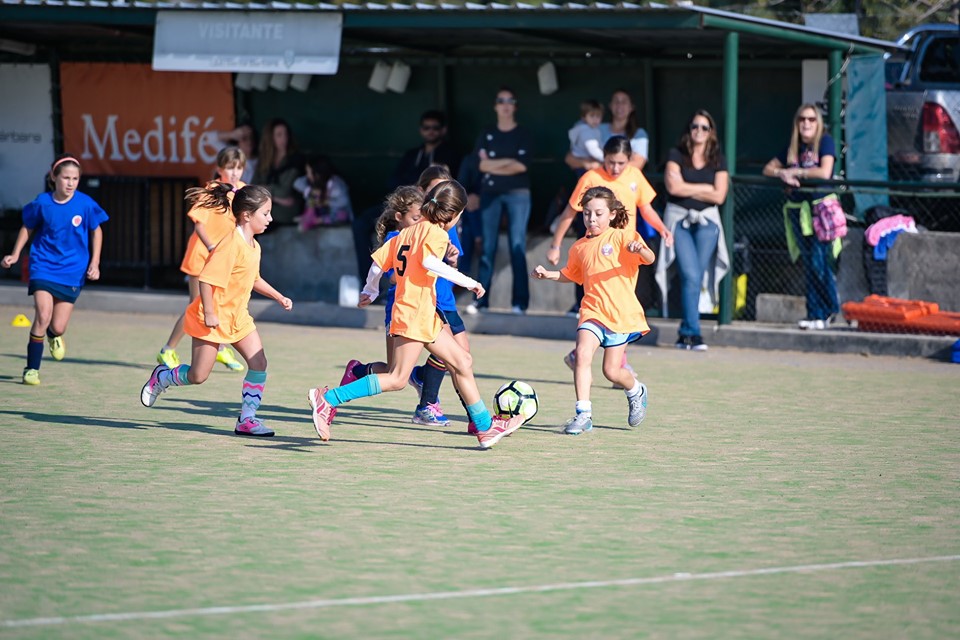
{"type": "Point", "coordinates": [64, 225]}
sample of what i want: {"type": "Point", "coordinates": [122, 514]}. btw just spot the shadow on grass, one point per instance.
{"type": "Point", "coordinates": [87, 361]}
{"type": "Point", "coordinates": [278, 442]}
{"type": "Point", "coordinates": [86, 421]}
{"type": "Point", "coordinates": [530, 381]}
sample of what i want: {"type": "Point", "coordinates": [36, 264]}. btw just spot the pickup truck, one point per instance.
{"type": "Point", "coordinates": [923, 106]}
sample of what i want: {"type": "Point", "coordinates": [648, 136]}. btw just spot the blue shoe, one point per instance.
{"type": "Point", "coordinates": [425, 417]}
{"type": "Point", "coordinates": [413, 382]}
{"type": "Point", "coordinates": [438, 413]}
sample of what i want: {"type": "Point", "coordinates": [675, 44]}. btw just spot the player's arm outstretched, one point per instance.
{"type": "Point", "coordinates": [564, 220]}
{"type": "Point", "coordinates": [442, 269]}
{"type": "Point", "coordinates": [265, 289]}
{"type": "Point", "coordinates": [541, 273]}
{"type": "Point", "coordinates": [23, 237]}
{"type": "Point", "coordinates": [371, 289]}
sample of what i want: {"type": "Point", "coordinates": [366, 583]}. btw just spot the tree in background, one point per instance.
{"type": "Point", "coordinates": [883, 19]}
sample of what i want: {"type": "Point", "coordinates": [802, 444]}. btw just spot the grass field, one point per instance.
{"type": "Point", "coordinates": [767, 494]}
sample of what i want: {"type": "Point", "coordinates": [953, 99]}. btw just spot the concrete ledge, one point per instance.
{"type": "Point", "coordinates": [772, 307]}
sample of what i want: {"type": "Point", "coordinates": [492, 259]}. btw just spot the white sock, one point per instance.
{"type": "Point", "coordinates": [633, 390]}
{"type": "Point", "coordinates": [584, 406]}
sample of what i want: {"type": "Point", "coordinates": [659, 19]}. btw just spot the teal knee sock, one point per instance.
{"type": "Point", "coordinates": [362, 388]}
{"type": "Point", "coordinates": [479, 415]}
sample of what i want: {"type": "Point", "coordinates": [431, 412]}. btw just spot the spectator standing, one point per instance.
{"type": "Point", "coordinates": [279, 166]}
{"type": "Point", "coordinates": [697, 181]}
{"type": "Point", "coordinates": [505, 151]}
{"type": "Point", "coordinates": [434, 150]}
{"type": "Point", "coordinates": [810, 155]}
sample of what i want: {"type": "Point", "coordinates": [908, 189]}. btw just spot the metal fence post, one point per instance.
{"type": "Point", "coordinates": [835, 104]}
{"type": "Point", "coordinates": [731, 54]}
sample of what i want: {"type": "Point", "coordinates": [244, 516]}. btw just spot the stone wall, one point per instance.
{"type": "Point", "coordinates": [920, 266]}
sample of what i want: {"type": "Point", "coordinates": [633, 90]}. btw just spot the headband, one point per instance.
{"type": "Point", "coordinates": [61, 161]}
{"type": "Point", "coordinates": [434, 201]}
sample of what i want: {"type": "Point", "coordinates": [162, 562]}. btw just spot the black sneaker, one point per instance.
{"type": "Point", "coordinates": [696, 343]}
{"type": "Point", "coordinates": [683, 342]}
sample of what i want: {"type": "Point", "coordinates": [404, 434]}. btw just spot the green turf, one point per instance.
{"type": "Point", "coordinates": [747, 460]}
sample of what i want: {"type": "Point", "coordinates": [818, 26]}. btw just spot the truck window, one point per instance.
{"type": "Point", "coordinates": [941, 61]}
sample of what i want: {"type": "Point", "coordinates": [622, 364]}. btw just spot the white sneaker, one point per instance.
{"type": "Point", "coordinates": [471, 309]}
{"type": "Point", "coordinates": [517, 311]}
{"type": "Point", "coordinates": [812, 325]}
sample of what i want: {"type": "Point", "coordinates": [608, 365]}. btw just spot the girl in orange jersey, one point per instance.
{"type": "Point", "coordinates": [606, 261]}
{"type": "Point", "coordinates": [210, 227]}
{"type": "Point", "coordinates": [417, 255]}
{"type": "Point", "coordinates": [401, 209]}
{"type": "Point", "coordinates": [219, 315]}
{"type": "Point", "coordinates": [629, 186]}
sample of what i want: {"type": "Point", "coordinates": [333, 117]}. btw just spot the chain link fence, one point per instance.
{"type": "Point", "coordinates": [771, 287]}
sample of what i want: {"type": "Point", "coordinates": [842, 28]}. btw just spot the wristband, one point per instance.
{"type": "Point", "coordinates": [555, 246]}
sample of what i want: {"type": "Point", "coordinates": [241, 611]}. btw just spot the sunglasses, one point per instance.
{"type": "Point", "coordinates": [430, 127]}
{"type": "Point", "coordinates": [701, 127]}
{"type": "Point", "coordinates": [506, 101]}
{"type": "Point", "coordinates": [807, 119]}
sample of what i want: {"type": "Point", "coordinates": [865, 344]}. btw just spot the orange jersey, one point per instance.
{"type": "Point", "coordinates": [231, 270]}
{"type": "Point", "coordinates": [217, 224]}
{"type": "Point", "coordinates": [415, 302]}
{"type": "Point", "coordinates": [630, 188]}
{"type": "Point", "coordinates": [608, 273]}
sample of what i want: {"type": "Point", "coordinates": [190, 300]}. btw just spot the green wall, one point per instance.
{"type": "Point", "coordinates": [366, 132]}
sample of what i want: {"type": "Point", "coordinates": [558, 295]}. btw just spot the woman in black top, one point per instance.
{"type": "Point", "coordinates": [696, 180]}
{"type": "Point", "coordinates": [504, 153]}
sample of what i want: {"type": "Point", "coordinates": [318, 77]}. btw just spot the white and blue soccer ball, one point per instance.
{"type": "Point", "coordinates": [516, 398]}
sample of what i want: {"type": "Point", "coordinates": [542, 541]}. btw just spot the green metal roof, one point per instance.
{"type": "Point", "coordinates": [598, 30]}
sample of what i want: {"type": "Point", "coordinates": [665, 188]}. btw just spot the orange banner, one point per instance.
{"type": "Point", "coordinates": [128, 120]}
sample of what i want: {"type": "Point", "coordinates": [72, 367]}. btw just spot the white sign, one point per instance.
{"type": "Point", "coordinates": [26, 133]}
{"type": "Point", "coordinates": [255, 41]}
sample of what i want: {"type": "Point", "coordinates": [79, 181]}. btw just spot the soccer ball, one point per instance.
{"type": "Point", "coordinates": [516, 398]}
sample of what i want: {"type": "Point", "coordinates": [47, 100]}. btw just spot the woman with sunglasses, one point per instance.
{"type": "Point", "coordinates": [504, 151]}
{"type": "Point", "coordinates": [810, 155]}
{"type": "Point", "coordinates": [696, 179]}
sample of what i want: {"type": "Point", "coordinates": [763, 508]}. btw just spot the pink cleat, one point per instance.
{"type": "Point", "coordinates": [348, 376]}
{"type": "Point", "coordinates": [472, 428]}
{"type": "Point", "coordinates": [323, 413]}
{"type": "Point", "coordinates": [498, 429]}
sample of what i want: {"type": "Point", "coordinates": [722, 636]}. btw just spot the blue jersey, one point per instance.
{"type": "Point", "coordinates": [392, 291]}
{"type": "Point", "coordinates": [445, 299]}
{"type": "Point", "coordinates": [60, 248]}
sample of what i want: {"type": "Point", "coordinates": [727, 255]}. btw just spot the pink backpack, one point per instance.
{"type": "Point", "coordinates": [829, 220]}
